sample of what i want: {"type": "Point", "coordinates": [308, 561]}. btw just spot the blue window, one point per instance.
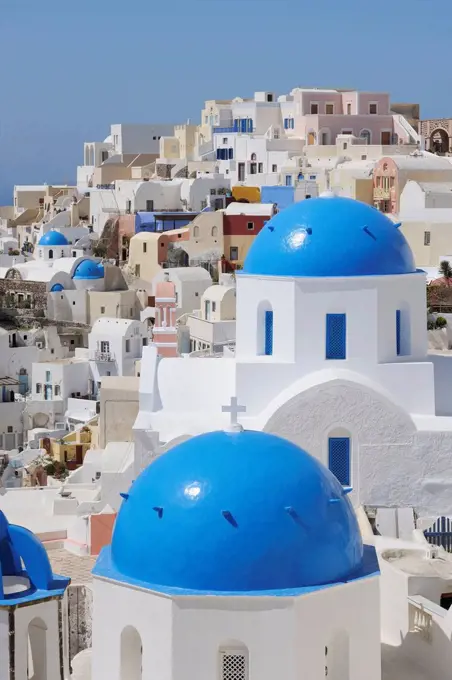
{"type": "Point", "coordinates": [231, 154]}
{"type": "Point", "coordinates": [288, 180]}
{"type": "Point", "coordinates": [243, 125]}
{"type": "Point", "coordinates": [236, 124]}
{"type": "Point", "coordinates": [292, 123]}
{"type": "Point", "coordinates": [336, 334]}
{"type": "Point", "coordinates": [339, 458]}
{"type": "Point", "coordinates": [398, 328]}
{"type": "Point", "coordinates": [250, 125]}
{"type": "Point", "coordinates": [268, 333]}
{"type": "Point", "coordinates": [286, 123]}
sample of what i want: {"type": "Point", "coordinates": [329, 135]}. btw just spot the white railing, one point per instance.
{"type": "Point", "coordinates": [98, 355]}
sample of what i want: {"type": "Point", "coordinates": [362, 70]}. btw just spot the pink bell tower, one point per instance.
{"type": "Point", "coordinates": [165, 332]}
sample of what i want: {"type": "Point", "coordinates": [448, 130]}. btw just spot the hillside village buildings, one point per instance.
{"type": "Point", "coordinates": [222, 328]}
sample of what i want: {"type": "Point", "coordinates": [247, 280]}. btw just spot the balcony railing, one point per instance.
{"type": "Point", "coordinates": [382, 194]}
{"type": "Point", "coordinates": [104, 357]}
{"type": "Point", "coordinates": [231, 130]}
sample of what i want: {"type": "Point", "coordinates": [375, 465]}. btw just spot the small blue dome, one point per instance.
{"type": "Point", "coordinates": [329, 236]}
{"type": "Point", "coordinates": [53, 238]}
{"type": "Point", "coordinates": [56, 288]}
{"type": "Point", "coordinates": [88, 269]}
{"type": "Point", "coordinates": [24, 562]}
{"type": "Point", "coordinates": [236, 512]}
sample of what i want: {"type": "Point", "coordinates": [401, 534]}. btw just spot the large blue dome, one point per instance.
{"type": "Point", "coordinates": [236, 512]}
{"type": "Point", "coordinates": [53, 238]}
{"type": "Point", "coordinates": [88, 269]}
{"type": "Point", "coordinates": [329, 236]}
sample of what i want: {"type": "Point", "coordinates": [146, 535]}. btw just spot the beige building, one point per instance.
{"type": "Point", "coordinates": [148, 251]}
{"type": "Point", "coordinates": [426, 217]}
{"type": "Point", "coordinates": [40, 197]}
{"type": "Point", "coordinates": [182, 145]}
{"type": "Point", "coordinates": [205, 241]}
{"type": "Point", "coordinates": [119, 404]}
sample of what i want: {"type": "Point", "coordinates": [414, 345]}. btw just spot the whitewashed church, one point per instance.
{"type": "Point", "coordinates": [331, 354]}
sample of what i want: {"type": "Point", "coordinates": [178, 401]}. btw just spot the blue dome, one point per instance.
{"type": "Point", "coordinates": [56, 288]}
{"type": "Point", "coordinates": [329, 236]}
{"type": "Point", "coordinates": [236, 512]}
{"type": "Point", "coordinates": [88, 269]}
{"type": "Point", "coordinates": [24, 560]}
{"type": "Point", "coordinates": [53, 238]}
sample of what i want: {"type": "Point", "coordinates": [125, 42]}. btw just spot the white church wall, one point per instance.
{"type": "Point", "coordinates": [442, 364]}
{"type": "Point", "coordinates": [117, 608]}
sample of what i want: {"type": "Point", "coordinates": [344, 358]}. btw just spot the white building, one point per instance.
{"type": "Point", "coordinates": [212, 327]}
{"type": "Point", "coordinates": [191, 283]}
{"type": "Point", "coordinates": [114, 347]}
{"type": "Point", "coordinates": [273, 590]}
{"type": "Point", "coordinates": [331, 353]}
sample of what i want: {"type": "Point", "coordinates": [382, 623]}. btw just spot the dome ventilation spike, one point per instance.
{"type": "Point", "coordinates": [369, 233]}
{"type": "Point", "coordinates": [124, 495]}
{"type": "Point", "coordinates": [229, 518]}
{"type": "Point", "coordinates": [159, 511]}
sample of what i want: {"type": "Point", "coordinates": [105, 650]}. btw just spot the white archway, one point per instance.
{"type": "Point", "coordinates": [37, 650]}
{"type": "Point", "coordinates": [131, 654]}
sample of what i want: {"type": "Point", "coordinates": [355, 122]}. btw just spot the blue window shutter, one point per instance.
{"type": "Point", "coordinates": [336, 336]}
{"type": "Point", "coordinates": [231, 154]}
{"type": "Point", "coordinates": [285, 124]}
{"type": "Point", "coordinates": [292, 123]}
{"type": "Point", "coordinates": [236, 124]}
{"type": "Point", "coordinates": [250, 125]}
{"type": "Point", "coordinates": [243, 125]}
{"type": "Point", "coordinates": [339, 459]}
{"type": "Point", "coordinates": [268, 333]}
{"type": "Point", "coordinates": [218, 154]}
{"type": "Point", "coordinates": [398, 329]}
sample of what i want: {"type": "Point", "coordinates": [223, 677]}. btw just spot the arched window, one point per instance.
{"type": "Point", "coordinates": [339, 455]}
{"type": "Point", "coordinates": [265, 329]}
{"type": "Point", "coordinates": [131, 654]}
{"type": "Point", "coordinates": [233, 662]}
{"type": "Point", "coordinates": [366, 135]}
{"type": "Point", "coordinates": [50, 254]}
{"type": "Point", "coordinates": [337, 657]}
{"type": "Point", "coordinates": [214, 231]}
{"type": "Point", "coordinates": [37, 650]}
{"type": "Point", "coordinates": [403, 331]}
{"type": "Point", "coordinates": [195, 232]}
{"type": "Point", "coordinates": [253, 157]}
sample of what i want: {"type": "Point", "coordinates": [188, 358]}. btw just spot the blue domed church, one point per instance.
{"type": "Point", "coordinates": [236, 556]}
{"type": "Point", "coordinates": [331, 354]}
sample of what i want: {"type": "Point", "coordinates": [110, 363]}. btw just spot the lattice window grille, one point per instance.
{"type": "Point", "coordinates": [234, 665]}
{"type": "Point", "coordinates": [339, 459]}
{"type": "Point", "coordinates": [335, 336]}
{"type": "Point", "coordinates": [269, 333]}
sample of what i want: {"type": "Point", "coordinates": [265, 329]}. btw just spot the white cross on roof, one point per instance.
{"type": "Point", "coordinates": [234, 409]}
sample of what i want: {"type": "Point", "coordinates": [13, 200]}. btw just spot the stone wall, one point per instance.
{"type": "Point", "coordinates": [32, 291]}
{"type": "Point", "coordinates": [80, 608]}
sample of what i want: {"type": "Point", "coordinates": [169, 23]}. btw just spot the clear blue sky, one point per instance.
{"type": "Point", "coordinates": [69, 70]}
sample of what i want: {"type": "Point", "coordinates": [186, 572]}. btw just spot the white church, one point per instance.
{"type": "Point", "coordinates": [331, 354]}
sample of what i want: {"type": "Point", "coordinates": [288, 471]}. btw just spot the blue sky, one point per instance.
{"type": "Point", "coordinates": [69, 70]}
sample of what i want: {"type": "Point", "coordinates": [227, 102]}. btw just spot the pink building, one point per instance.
{"type": "Point", "coordinates": [165, 332]}
{"type": "Point", "coordinates": [321, 115]}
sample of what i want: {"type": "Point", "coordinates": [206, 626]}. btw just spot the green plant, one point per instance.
{"type": "Point", "coordinates": [445, 270]}
{"type": "Point", "coordinates": [441, 322]}
{"type": "Point", "coordinates": [430, 325]}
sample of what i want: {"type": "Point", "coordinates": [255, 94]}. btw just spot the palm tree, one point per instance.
{"type": "Point", "coordinates": [445, 270]}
